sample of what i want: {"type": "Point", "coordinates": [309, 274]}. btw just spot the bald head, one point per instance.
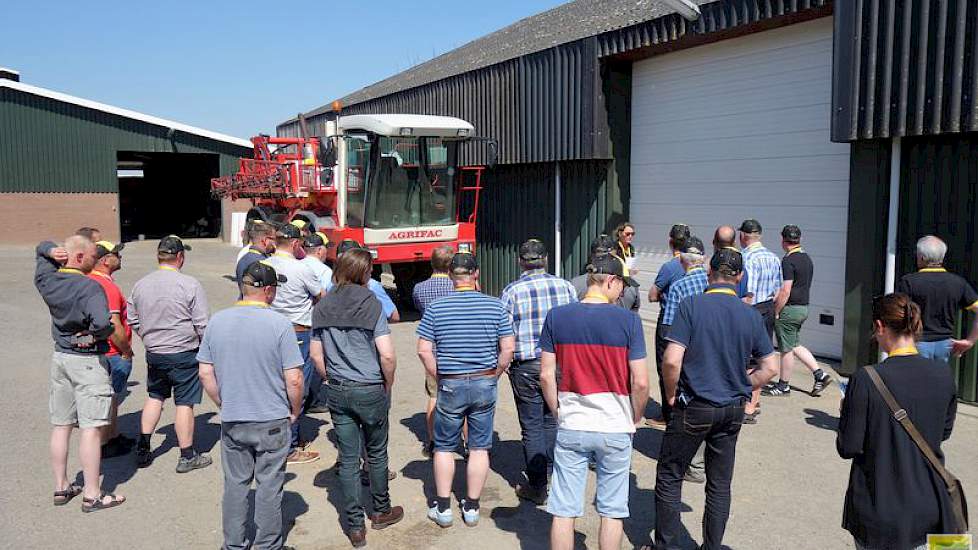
{"type": "Point", "coordinates": [81, 253]}
{"type": "Point", "coordinates": [724, 237]}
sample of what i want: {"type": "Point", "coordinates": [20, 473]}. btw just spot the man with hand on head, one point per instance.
{"type": "Point", "coordinates": [81, 384]}
{"type": "Point", "coordinates": [251, 368]}
{"type": "Point", "coordinates": [261, 237]}
{"type": "Point", "coordinates": [119, 356]}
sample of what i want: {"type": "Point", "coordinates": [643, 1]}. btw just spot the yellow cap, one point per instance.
{"type": "Point", "coordinates": [323, 237]}
{"type": "Point", "coordinates": [299, 223]}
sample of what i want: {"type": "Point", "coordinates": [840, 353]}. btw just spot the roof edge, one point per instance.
{"type": "Point", "coordinates": [149, 119]}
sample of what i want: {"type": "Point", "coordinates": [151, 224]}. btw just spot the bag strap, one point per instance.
{"type": "Point", "coordinates": [900, 414]}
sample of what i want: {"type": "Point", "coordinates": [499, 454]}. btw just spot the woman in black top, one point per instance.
{"type": "Point", "coordinates": [895, 498]}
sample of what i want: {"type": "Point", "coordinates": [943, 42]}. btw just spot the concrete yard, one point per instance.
{"type": "Point", "coordinates": [788, 487]}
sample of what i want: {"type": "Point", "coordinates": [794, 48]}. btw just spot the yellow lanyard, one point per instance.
{"type": "Point", "coordinates": [71, 270]}
{"type": "Point", "coordinates": [793, 250]}
{"type": "Point", "coordinates": [250, 303]}
{"type": "Point", "coordinates": [283, 255]}
{"type": "Point", "coordinates": [168, 268]}
{"type": "Point", "coordinates": [754, 245]}
{"type": "Point", "coordinates": [933, 270]}
{"type": "Point", "coordinates": [721, 291]}
{"type": "Point", "coordinates": [464, 288]}
{"type": "Point", "coordinates": [900, 352]}
{"type": "Point", "coordinates": [625, 250]}
{"type": "Point", "coordinates": [439, 276]}
{"type": "Point", "coordinates": [253, 251]}
{"type": "Point", "coordinates": [600, 297]}
{"type": "Point", "coordinates": [692, 269]}
{"type": "Point", "coordinates": [100, 274]}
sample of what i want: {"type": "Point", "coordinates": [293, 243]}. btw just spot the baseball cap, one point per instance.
{"type": "Point", "coordinates": [602, 244]}
{"type": "Point", "coordinates": [104, 248]}
{"type": "Point", "coordinates": [791, 233]}
{"type": "Point", "coordinates": [260, 274]}
{"type": "Point", "coordinates": [347, 245]}
{"type": "Point", "coordinates": [751, 226]}
{"type": "Point", "coordinates": [608, 264]}
{"type": "Point", "coordinates": [693, 245]}
{"type": "Point", "coordinates": [679, 231]}
{"type": "Point", "coordinates": [316, 239]}
{"type": "Point", "coordinates": [172, 244]}
{"type": "Point", "coordinates": [464, 261]}
{"type": "Point", "coordinates": [727, 261]}
{"type": "Point", "coordinates": [533, 249]}
{"type": "Point", "coordinates": [288, 231]}
{"type": "Point", "coordinates": [301, 224]}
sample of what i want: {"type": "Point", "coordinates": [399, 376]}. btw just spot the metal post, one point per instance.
{"type": "Point", "coordinates": [557, 260]}
{"type": "Point", "coordinates": [893, 217]}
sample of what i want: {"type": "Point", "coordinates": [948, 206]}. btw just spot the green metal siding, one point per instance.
{"type": "Point", "coordinates": [51, 146]}
{"type": "Point", "coordinates": [591, 205]}
{"type": "Point", "coordinates": [938, 195]}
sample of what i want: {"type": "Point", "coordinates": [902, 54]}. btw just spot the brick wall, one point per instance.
{"type": "Point", "coordinates": [33, 217]}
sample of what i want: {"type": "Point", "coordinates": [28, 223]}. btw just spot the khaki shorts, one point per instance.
{"type": "Point", "coordinates": [81, 390]}
{"type": "Point", "coordinates": [430, 386]}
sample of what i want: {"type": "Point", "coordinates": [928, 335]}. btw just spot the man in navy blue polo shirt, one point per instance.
{"type": "Point", "coordinates": [705, 370]}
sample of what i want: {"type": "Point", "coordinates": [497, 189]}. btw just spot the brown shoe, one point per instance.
{"type": "Point", "coordinates": [299, 456]}
{"type": "Point", "coordinates": [657, 423]}
{"type": "Point", "coordinates": [380, 521]}
{"type": "Point", "coordinates": [358, 537]}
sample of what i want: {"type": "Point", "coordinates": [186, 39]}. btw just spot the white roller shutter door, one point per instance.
{"type": "Point", "coordinates": [740, 129]}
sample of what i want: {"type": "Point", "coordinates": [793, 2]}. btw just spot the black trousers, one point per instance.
{"type": "Point", "coordinates": [766, 309]}
{"type": "Point", "coordinates": [661, 331]}
{"type": "Point", "coordinates": [689, 427]}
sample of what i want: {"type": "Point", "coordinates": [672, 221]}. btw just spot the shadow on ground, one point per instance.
{"type": "Point", "coordinates": [821, 419]}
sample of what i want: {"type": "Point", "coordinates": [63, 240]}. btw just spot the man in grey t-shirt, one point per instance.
{"type": "Point", "coordinates": [251, 368]}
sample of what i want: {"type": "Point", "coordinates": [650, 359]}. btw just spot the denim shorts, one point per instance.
{"type": "Point", "coordinates": [121, 368]}
{"type": "Point", "coordinates": [612, 454]}
{"type": "Point", "coordinates": [938, 351]}
{"type": "Point", "coordinates": [463, 399]}
{"type": "Point", "coordinates": [174, 374]}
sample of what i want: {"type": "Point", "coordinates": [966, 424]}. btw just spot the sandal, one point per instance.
{"type": "Point", "coordinates": [96, 504]}
{"type": "Point", "coordinates": [63, 497]}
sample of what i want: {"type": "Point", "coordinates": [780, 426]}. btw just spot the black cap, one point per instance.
{"type": "Point", "coordinates": [104, 248]}
{"type": "Point", "coordinates": [314, 240]}
{"type": "Point", "coordinates": [347, 245]}
{"type": "Point", "coordinates": [693, 245]}
{"type": "Point", "coordinates": [608, 264]}
{"type": "Point", "coordinates": [260, 274]}
{"type": "Point", "coordinates": [791, 233]}
{"type": "Point", "coordinates": [464, 261]}
{"type": "Point", "coordinates": [727, 261]}
{"type": "Point", "coordinates": [533, 249]}
{"type": "Point", "coordinates": [751, 226]}
{"type": "Point", "coordinates": [288, 231]}
{"type": "Point", "coordinates": [603, 244]}
{"type": "Point", "coordinates": [171, 244]}
{"type": "Point", "coordinates": [678, 232]}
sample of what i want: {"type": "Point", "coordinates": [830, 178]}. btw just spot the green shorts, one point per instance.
{"type": "Point", "coordinates": [81, 390]}
{"type": "Point", "coordinates": [788, 326]}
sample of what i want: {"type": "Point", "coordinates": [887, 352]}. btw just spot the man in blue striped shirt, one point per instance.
{"type": "Point", "coordinates": [529, 299]}
{"type": "Point", "coordinates": [466, 341]}
{"type": "Point", "coordinates": [763, 269]}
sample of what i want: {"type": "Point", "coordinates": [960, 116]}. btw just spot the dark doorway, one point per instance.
{"type": "Point", "coordinates": [167, 193]}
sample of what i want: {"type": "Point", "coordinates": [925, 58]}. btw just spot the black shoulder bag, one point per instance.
{"type": "Point", "coordinates": [959, 506]}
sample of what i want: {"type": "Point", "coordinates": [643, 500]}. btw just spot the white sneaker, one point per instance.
{"type": "Point", "coordinates": [470, 517]}
{"type": "Point", "coordinates": [443, 519]}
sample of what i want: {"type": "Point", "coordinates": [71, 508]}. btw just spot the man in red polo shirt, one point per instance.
{"type": "Point", "coordinates": [109, 260]}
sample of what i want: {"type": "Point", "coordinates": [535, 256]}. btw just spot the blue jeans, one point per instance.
{"type": "Point", "coordinates": [310, 377]}
{"type": "Point", "coordinates": [537, 424]}
{"type": "Point", "coordinates": [121, 368]}
{"type": "Point", "coordinates": [460, 399]}
{"type": "Point", "coordinates": [612, 454]}
{"type": "Point", "coordinates": [690, 427]}
{"type": "Point", "coordinates": [939, 350]}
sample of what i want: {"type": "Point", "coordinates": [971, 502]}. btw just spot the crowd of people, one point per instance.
{"type": "Point", "coordinates": [310, 335]}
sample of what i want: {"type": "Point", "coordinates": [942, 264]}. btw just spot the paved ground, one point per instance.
{"type": "Point", "coordinates": [788, 487]}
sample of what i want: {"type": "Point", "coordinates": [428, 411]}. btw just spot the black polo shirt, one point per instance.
{"type": "Point", "coordinates": [798, 268]}
{"type": "Point", "coordinates": [720, 334]}
{"type": "Point", "coordinates": [940, 295]}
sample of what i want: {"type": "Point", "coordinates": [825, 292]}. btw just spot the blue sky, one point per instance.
{"type": "Point", "coordinates": [235, 67]}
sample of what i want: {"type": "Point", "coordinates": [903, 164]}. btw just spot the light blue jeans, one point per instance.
{"type": "Point", "coordinates": [612, 454]}
{"type": "Point", "coordinates": [939, 350]}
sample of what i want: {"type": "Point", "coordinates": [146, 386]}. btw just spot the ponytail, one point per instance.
{"type": "Point", "coordinates": [898, 313]}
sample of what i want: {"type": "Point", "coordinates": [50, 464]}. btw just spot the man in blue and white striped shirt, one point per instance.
{"type": "Point", "coordinates": [763, 269]}
{"type": "Point", "coordinates": [529, 299]}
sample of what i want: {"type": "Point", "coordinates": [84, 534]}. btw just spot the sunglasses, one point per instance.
{"type": "Point", "coordinates": [628, 233]}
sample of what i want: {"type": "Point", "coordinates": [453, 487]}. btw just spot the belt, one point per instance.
{"type": "Point", "coordinates": [468, 375]}
{"type": "Point", "coordinates": [300, 328]}
{"type": "Point", "coordinates": [352, 383]}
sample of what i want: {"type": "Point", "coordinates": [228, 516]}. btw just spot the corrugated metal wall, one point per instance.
{"type": "Point", "coordinates": [905, 68]}
{"type": "Point", "coordinates": [591, 205]}
{"type": "Point", "coordinates": [52, 146]}
{"type": "Point", "coordinates": [939, 195]}
{"type": "Point", "coordinates": [540, 107]}
{"type": "Point", "coordinates": [717, 17]}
